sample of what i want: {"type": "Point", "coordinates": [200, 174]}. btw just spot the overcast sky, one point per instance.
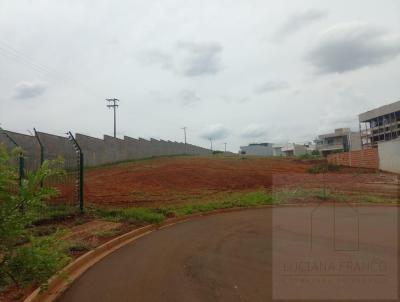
{"type": "Point", "coordinates": [238, 71]}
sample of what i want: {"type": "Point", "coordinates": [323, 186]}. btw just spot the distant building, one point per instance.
{"type": "Point", "coordinates": [277, 150]}
{"type": "Point", "coordinates": [342, 139]}
{"type": "Point", "coordinates": [294, 150]}
{"type": "Point", "coordinates": [380, 125]}
{"type": "Point", "coordinates": [311, 148]}
{"type": "Point", "coordinates": [262, 149]}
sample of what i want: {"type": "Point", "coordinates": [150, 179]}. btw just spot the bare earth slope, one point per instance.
{"type": "Point", "coordinates": [177, 180]}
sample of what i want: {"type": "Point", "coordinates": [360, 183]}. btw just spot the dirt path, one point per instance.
{"type": "Point", "coordinates": [238, 256]}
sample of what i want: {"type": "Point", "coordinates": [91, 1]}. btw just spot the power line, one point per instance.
{"type": "Point", "coordinates": [7, 50]}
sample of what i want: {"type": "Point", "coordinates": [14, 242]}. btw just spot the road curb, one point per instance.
{"type": "Point", "coordinates": [61, 282]}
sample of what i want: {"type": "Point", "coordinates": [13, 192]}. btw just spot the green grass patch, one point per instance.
{"type": "Point", "coordinates": [287, 195]}
{"type": "Point", "coordinates": [107, 234]}
{"type": "Point", "coordinates": [374, 199]}
{"type": "Point", "coordinates": [132, 215]}
{"type": "Point", "coordinates": [235, 200]}
{"type": "Point", "coordinates": [45, 230]}
{"type": "Point", "coordinates": [148, 215]}
{"type": "Point", "coordinates": [79, 247]}
{"type": "Point", "coordinates": [301, 195]}
{"type": "Point", "coordinates": [225, 201]}
{"type": "Point", "coordinates": [55, 213]}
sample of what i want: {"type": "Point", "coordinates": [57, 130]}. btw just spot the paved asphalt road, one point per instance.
{"type": "Point", "coordinates": [254, 255]}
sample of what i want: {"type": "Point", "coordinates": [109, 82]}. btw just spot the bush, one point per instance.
{"type": "Point", "coordinates": [37, 262]}
{"type": "Point", "coordinates": [37, 259]}
{"type": "Point", "coordinates": [315, 153]}
{"type": "Point", "coordinates": [323, 168]}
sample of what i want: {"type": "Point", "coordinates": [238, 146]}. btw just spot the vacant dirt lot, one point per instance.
{"type": "Point", "coordinates": [175, 180]}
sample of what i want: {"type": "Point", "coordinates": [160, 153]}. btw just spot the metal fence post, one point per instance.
{"type": "Point", "coordinates": [21, 172]}
{"type": "Point", "coordinates": [41, 151]}
{"type": "Point", "coordinates": [79, 152]}
{"type": "Point", "coordinates": [81, 164]}
{"type": "Point", "coordinates": [21, 166]}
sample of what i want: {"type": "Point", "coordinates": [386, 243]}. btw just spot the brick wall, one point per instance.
{"type": "Point", "coordinates": [367, 158]}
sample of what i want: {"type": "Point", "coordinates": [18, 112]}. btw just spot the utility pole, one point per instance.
{"type": "Point", "coordinates": [184, 132]}
{"type": "Point", "coordinates": [225, 147]}
{"type": "Point", "coordinates": [112, 103]}
{"type": "Point", "coordinates": [349, 146]}
{"type": "Point", "coordinates": [211, 143]}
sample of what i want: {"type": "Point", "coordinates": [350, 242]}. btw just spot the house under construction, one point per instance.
{"type": "Point", "coordinates": [379, 125]}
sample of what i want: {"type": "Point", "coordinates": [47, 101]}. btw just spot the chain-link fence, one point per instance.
{"type": "Point", "coordinates": [64, 154]}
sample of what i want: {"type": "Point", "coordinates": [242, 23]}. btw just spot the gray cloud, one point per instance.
{"type": "Point", "coordinates": [29, 89]}
{"type": "Point", "coordinates": [235, 99]}
{"type": "Point", "coordinates": [159, 58]}
{"type": "Point", "coordinates": [217, 131]}
{"type": "Point", "coordinates": [254, 131]}
{"type": "Point", "coordinates": [189, 97]}
{"type": "Point", "coordinates": [297, 21]}
{"type": "Point", "coordinates": [200, 58]}
{"type": "Point", "coordinates": [351, 46]}
{"type": "Point", "coordinates": [271, 86]}
{"type": "Point", "coordinates": [144, 65]}
{"type": "Point", "coordinates": [189, 59]}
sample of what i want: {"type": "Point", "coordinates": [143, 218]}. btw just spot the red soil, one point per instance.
{"type": "Point", "coordinates": [174, 180]}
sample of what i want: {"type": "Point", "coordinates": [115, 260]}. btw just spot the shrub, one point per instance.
{"type": "Point", "coordinates": [37, 259]}
{"type": "Point", "coordinates": [217, 152]}
{"type": "Point", "coordinates": [323, 168]}
{"type": "Point", "coordinates": [37, 262]}
{"type": "Point", "coordinates": [315, 153]}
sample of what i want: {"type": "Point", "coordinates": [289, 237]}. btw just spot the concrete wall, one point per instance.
{"type": "Point", "coordinates": [389, 156]}
{"type": "Point", "coordinates": [277, 151]}
{"type": "Point", "coordinates": [293, 150]}
{"type": "Point", "coordinates": [257, 150]}
{"type": "Point", "coordinates": [355, 141]}
{"type": "Point", "coordinates": [97, 151]}
{"type": "Point", "coordinates": [27, 142]}
{"type": "Point", "coordinates": [300, 150]}
{"type": "Point", "coordinates": [367, 158]}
